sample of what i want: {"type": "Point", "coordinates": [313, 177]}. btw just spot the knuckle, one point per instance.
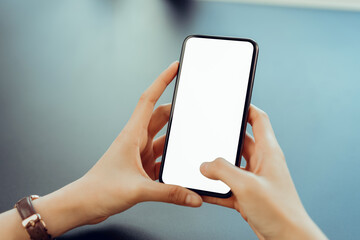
{"type": "Point", "coordinates": [263, 114]}
{"type": "Point", "coordinates": [270, 140]}
{"type": "Point", "coordinates": [218, 163]}
{"type": "Point", "coordinates": [175, 195]}
{"type": "Point", "coordinates": [146, 98]}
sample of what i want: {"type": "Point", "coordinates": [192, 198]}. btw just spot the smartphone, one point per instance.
{"type": "Point", "coordinates": [209, 110]}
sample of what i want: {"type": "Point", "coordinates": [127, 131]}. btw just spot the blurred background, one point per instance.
{"type": "Point", "coordinates": [71, 73]}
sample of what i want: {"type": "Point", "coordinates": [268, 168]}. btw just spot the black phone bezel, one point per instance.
{"type": "Point", "coordinates": [245, 112]}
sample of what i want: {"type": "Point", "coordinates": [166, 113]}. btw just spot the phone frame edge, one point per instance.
{"type": "Point", "coordinates": [245, 112]}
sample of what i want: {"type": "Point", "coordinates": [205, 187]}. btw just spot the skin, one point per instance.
{"type": "Point", "coordinates": [125, 175]}
{"type": "Point", "coordinates": [263, 192]}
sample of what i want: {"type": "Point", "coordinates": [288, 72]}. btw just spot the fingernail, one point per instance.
{"type": "Point", "coordinates": [189, 199]}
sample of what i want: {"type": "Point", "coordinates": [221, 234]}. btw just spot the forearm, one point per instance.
{"type": "Point", "coordinates": [11, 227]}
{"type": "Point", "coordinates": [61, 210]}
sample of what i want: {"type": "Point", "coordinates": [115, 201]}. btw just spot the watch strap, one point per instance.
{"type": "Point", "coordinates": [32, 221]}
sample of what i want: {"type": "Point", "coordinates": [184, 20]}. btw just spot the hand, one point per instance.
{"type": "Point", "coordinates": [263, 191]}
{"type": "Point", "coordinates": [125, 175]}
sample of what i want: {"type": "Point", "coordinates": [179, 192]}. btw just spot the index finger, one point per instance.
{"type": "Point", "coordinates": [148, 99]}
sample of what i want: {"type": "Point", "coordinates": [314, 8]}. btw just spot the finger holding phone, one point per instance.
{"type": "Point", "coordinates": [263, 191]}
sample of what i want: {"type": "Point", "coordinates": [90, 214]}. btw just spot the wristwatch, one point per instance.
{"type": "Point", "coordinates": [32, 221]}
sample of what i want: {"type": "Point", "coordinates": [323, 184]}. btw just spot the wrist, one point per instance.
{"type": "Point", "coordinates": [307, 229]}
{"type": "Point", "coordinates": [300, 227]}
{"type": "Point", "coordinates": [64, 209]}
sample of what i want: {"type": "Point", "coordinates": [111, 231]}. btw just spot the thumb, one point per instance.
{"type": "Point", "coordinates": [220, 169]}
{"type": "Point", "coordinates": [161, 192]}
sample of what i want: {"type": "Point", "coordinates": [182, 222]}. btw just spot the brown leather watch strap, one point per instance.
{"type": "Point", "coordinates": [32, 221]}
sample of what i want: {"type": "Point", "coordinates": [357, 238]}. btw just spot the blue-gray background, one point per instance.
{"type": "Point", "coordinates": [71, 73]}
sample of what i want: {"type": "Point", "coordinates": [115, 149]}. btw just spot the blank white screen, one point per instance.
{"type": "Point", "coordinates": [208, 110]}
